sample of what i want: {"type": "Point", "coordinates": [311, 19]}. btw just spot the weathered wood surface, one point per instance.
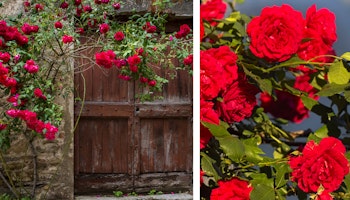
{"type": "Point", "coordinates": [123, 144]}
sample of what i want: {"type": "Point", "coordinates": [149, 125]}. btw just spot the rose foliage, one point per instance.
{"type": "Point", "coordinates": [257, 75]}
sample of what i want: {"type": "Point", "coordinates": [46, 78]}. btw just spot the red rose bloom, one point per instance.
{"type": "Point", "coordinates": [80, 30]}
{"type": "Point", "coordinates": [323, 22]}
{"type": "Point", "coordinates": [315, 46]}
{"type": "Point", "coordinates": [320, 164]}
{"type": "Point", "coordinates": [212, 9]}
{"type": "Point", "coordinates": [149, 28]}
{"type": "Point", "coordinates": [51, 131]}
{"type": "Point", "coordinates": [116, 6]}
{"type": "Point", "coordinates": [104, 28]}
{"type": "Point", "coordinates": [238, 101]}
{"type": "Point", "coordinates": [3, 126]}
{"type": "Point", "coordinates": [289, 106]}
{"type": "Point", "coordinates": [26, 28]}
{"type": "Point", "coordinates": [31, 66]}
{"type": "Point", "coordinates": [202, 30]}
{"type": "Point", "coordinates": [133, 68]}
{"type": "Point", "coordinates": [67, 39]}
{"type": "Point", "coordinates": [124, 77]}
{"type": "Point", "coordinates": [211, 70]}
{"type": "Point", "coordinates": [105, 59]}
{"type": "Point", "coordinates": [228, 60]}
{"type": "Point", "coordinates": [119, 36]}
{"type": "Point", "coordinates": [183, 32]}
{"type": "Point", "coordinates": [39, 94]}
{"type": "Point", "coordinates": [205, 136]}
{"type": "Point", "coordinates": [276, 34]}
{"type": "Point", "coordinates": [143, 79]}
{"type": "Point", "coordinates": [5, 57]}
{"type": "Point", "coordinates": [58, 25]}
{"type": "Point", "coordinates": [87, 8]}
{"type": "Point", "coordinates": [152, 83]}
{"type": "Point", "coordinates": [188, 60]}
{"type": "Point", "coordinates": [234, 189]}
{"type": "Point", "coordinates": [64, 5]}
{"type": "Point", "coordinates": [77, 2]}
{"type": "Point", "coordinates": [39, 7]}
{"type": "Point", "coordinates": [134, 60]}
{"type": "Point", "coordinates": [207, 112]}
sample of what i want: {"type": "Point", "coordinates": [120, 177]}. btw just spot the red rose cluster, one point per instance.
{"type": "Point", "coordinates": [320, 167]}
{"type": "Point", "coordinates": [30, 118]}
{"type": "Point", "coordinates": [219, 79]}
{"type": "Point", "coordinates": [279, 33]}
{"type": "Point", "coordinates": [9, 33]}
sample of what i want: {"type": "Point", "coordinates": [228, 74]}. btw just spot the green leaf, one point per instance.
{"type": "Point", "coordinates": [314, 138]}
{"type": "Point", "coordinates": [338, 74]}
{"type": "Point", "coordinates": [218, 130]}
{"type": "Point", "coordinates": [322, 132]}
{"type": "Point", "coordinates": [207, 166]}
{"type": "Point", "coordinates": [232, 147]}
{"type": "Point", "coordinates": [332, 89]}
{"type": "Point", "coordinates": [347, 183]}
{"type": "Point", "coordinates": [262, 187]}
{"type": "Point", "coordinates": [252, 151]}
{"type": "Point", "coordinates": [281, 170]}
{"type": "Point", "coordinates": [308, 102]}
{"type": "Point", "coordinates": [346, 56]}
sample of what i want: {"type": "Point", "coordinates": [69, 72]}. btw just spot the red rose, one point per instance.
{"type": "Point", "coordinates": [98, 1]}
{"type": "Point", "coordinates": [207, 112]}
{"type": "Point", "coordinates": [234, 189]}
{"type": "Point", "coordinates": [34, 28]}
{"type": "Point", "coordinates": [289, 106]}
{"type": "Point", "coordinates": [276, 34]}
{"type": "Point", "coordinates": [21, 40]}
{"type": "Point", "coordinates": [58, 25]}
{"type": "Point", "coordinates": [26, 28]}
{"type": "Point", "coordinates": [205, 136]}
{"type": "Point", "coordinates": [80, 30]}
{"type": "Point", "coordinates": [149, 28]}
{"type": "Point", "coordinates": [31, 66]}
{"type": "Point", "coordinates": [315, 46]}
{"type": "Point", "coordinates": [39, 7]}
{"type": "Point", "coordinates": [119, 36]}
{"type": "Point", "coordinates": [64, 5]}
{"type": "Point", "coordinates": [202, 30]}
{"type": "Point", "coordinates": [116, 6]}
{"type": "Point", "coordinates": [67, 39]}
{"type": "Point", "coordinates": [228, 60]}
{"type": "Point", "coordinates": [211, 10]}
{"type": "Point", "coordinates": [134, 60]}
{"type": "Point", "coordinates": [152, 83]}
{"type": "Point", "coordinates": [51, 131]}
{"type": "Point", "coordinates": [5, 57]}
{"type": "Point", "coordinates": [320, 164]}
{"type": "Point", "coordinates": [104, 28]}
{"type": "Point", "coordinates": [105, 1]}
{"type": "Point", "coordinates": [238, 101]}
{"type": "Point", "coordinates": [3, 126]}
{"type": "Point", "coordinates": [183, 32]}
{"type": "Point", "coordinates": [87, 8]}
{"type": "Point", "coordinates": [38, 93]}
{"type": "Point", "coordinates": [143, 79]}
{"type": "Point", "coordinates": [105, 59]}
{"type": "Point", "coordinates": [323, 22]}
{"type": "Point", "coordinates": [77, 2]}
{"type": "Point", "coordinates": [133, 68]}
{"type": "Point", "coordinates": [124, 77]}
{"type": "Point", "coordinates": [188, 60]}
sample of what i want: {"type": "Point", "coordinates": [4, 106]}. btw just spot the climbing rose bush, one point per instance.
{"type": "Point", "coordinates": [258, 74]}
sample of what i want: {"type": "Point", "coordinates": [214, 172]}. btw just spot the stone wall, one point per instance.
{"type": "Point", "coordinates": [55, 164]}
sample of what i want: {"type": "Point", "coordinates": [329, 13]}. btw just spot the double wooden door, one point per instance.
{"type": "Point", "coordinates": [122, 144]}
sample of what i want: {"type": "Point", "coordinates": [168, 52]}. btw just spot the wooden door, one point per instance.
{"type": "Point", "coordinates": [122, 144]}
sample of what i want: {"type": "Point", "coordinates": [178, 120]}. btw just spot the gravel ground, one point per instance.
{"type": "Point", "coordinates": [182, 196]}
